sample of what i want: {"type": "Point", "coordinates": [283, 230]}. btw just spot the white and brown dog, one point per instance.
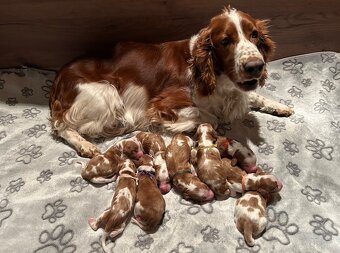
{"type": "Point", "coordinates": [154, 145]}
{"type": "Point", "coordinates": [240, 181]}
{"type": "Point", "coordinates": [131, 147]}
{"type": "Point", "coordinates": [182, 173]}
{"type": "Point", "coordinates": [240, 154]}
{"type": "Point", "coordinates": [114, 219]}
{"type": "Point", "coordinates": [250, 209]}
{"type": "Point", "coordinates": [209, 164]}
{"type": "Point", "coordinates": [103, 168]}
{"type": "Point", "coordinates": [150, 205]}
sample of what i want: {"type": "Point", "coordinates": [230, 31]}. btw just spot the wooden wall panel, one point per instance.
{"type": "Point", "coordinates": [48, 33]}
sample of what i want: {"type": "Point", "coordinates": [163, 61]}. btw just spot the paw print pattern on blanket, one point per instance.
{"type": "Point", "coordinates": [293, 66]}
{"type": "Point", "coordinates": [319, 149]}
{"type": "Point", "coordinates": [306, 82]}
{"type": "Point", "coordinates": [54, 211]}
{"type": "Point", "coordinates": [35, 131]}
{"type": "Point", "coordinates": [278, 228]}
{"type": "Point", "coordinates": [96, 246]}
{"type": "Point", "coordinates": [59, 240]}
{"type": "Point", "coordinates": [249, 123]}
{"type": "Point", "coordinates": [265, 148]}
{"type": "Point", "coordinates": [328, 85]}
{"type": "Point", "coordinates": [44, 176]}
{"type": "Point", "coordinates": [321, 106]}
{"type": "Point", "coordinates": [266, 167]}
{"type": "Point", "coordinates": [31, 113]}
{"type": "Point", "coordinates": [336, 71]}
{"type": "Point", "coordinates": [27, 154]}
{"type": "Point", "coordinates": [276, 126]}
{"type": "Point", "coordinates": [293, 169]}
{"type": "Point", "coordinates": [270, 86]}
{"type": "Point", "coordinates": [275, 76]}
{"type": "Point", "coordinates": [244, 248]}
{"type": "Point", "coordinates": [7, 119]}
{"type": "Point", "coordinates": [67, 158]}
{"type": "Point", "coordinates": [335, 125]}
{"type": "Point", "coordinates": [78, 184]}
{"type": "Point", "coordinates": [11, 101]}
{"type": "Point", "coordinates": [210, 234]}
{"type": "Point", "coordinates": [297, 118]}
{"type": "Point", "coordinates": [195, 209]}
{"type": "Point", "coordinates": [15, 185]}
{"type": "Point", "coordinates": [324, 227]}
{"type": "Point", "coordinates": [287, 102]}
{"type": "Point", "coordinates": [295, 92]}
{"type": "Point", "coordinates": [290, 147]}
{"type": "Point", "coordinates": [5, 212]}
{"type": "Point", "coordinates": [313, 195]}
{"type": "Point", "coordinates": [47, 88]}
{"type": "Point", "coordinates": [328, 57]}
{"type": "Point", "coordinates": [27, 92]}
{"type": "Point", "coordinates": [183, 248]}
{"type": "Point", "coordinates": [144, 241]}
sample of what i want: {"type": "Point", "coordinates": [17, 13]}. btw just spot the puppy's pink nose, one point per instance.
{"type": "Point", "coordinates": [164, 187]}
{"type": "Point", "coordinates": [251, 169]}
{"type": "Point", "coordinates": [210, 195]}
{"type": "Point", "coordinates": [139, 154]}
{"type": "Point", "coordinates": [279, 185]}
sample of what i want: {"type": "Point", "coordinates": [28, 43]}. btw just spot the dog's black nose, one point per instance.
{"type": "Point", "coordinates": [254, 67]}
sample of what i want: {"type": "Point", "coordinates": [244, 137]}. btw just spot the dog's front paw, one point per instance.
{"type": "Point", "coordinates": [89, 150]}
{"type": "Point", "coordinates": [285, 111]}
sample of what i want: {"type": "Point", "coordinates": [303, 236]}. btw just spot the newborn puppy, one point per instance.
{"type": "Point", "coordinates": [150, 205]}
{"type": "Point", "coordinates": [240, 181]}
{"type": "Point", "coordinates": [103, 168]}
{"type": "Point", "coordinates": [154, 145]}
{"type": "Point", "coordinates": [114, 219]}
{"type": "Point", "coordinates": [209, 164]}
{"type": "Point", "coordinates": [131, 147]}
{"type": "Point", "coordinates": [240, 154]}
{"type": "Point", "coordinates": [250, 215]}
{"type": "Point", "coordinates": [182, 173]}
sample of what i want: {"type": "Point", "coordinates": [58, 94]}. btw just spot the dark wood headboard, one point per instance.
{"type": "Point", "coordinates": [49, 33]}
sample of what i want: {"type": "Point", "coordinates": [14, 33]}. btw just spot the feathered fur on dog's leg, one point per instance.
{"type": "Point", "coordinates": [262, 104]}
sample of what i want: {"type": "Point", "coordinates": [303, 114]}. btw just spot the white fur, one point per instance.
{"type": "Point", "coordinates": [225, 104]}
{"type": "Point", "coordinates": [244, 48]}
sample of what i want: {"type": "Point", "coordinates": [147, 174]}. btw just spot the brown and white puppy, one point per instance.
{"type": "Point", "coordinates": [209, 164]}
{"type": "Point", "coordinates": [103, 168]}
{"type": "Point", "coordinates": [240, 181]}
{"type": "Point", "coordinates": [250, 215]}
{"type": "Point", "coordinates": [150, 205]}
{"type": "Point", "coordinates": [154, 145]}
{"type": "Point", "coordinates": [114, 219]}
{"type": "Point", "coordinates": [240, 154]}
{"type": "Point", "coordinates": [182, 173]}
{"type": "Point", "coordinates": [131, 147]}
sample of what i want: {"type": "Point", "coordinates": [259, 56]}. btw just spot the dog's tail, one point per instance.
{"type": "Point", "coordinates": [248, 233]}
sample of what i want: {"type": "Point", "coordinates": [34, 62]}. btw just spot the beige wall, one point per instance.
{"type": "Point", "coordinates": [48, 33]}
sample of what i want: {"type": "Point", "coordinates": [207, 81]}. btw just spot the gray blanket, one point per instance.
{"type": "Point", "coordinates": [44, 203]}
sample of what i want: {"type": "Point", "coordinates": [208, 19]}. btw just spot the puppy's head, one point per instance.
{"type": "Point", "coordinates": [131, 148]}
{"type": "Point", "coordinates": [192, 188]}
{"type": "Point", "coordinates": [205, 132]}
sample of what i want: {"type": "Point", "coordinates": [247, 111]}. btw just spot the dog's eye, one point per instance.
{"type": "Point", "coordinates": [226, 41]}
{"type": "Point", "coordinates": [254, 34]}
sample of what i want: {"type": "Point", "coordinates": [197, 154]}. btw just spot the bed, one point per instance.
{"type": "Point", "coordinates": [44, 203]}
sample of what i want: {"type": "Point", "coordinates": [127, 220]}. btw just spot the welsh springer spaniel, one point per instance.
{"type": "Point", "coordinates": [175, 85]}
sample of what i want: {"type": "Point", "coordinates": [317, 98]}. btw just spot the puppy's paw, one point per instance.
{"type": "Point", "coordinates": [89, 150]}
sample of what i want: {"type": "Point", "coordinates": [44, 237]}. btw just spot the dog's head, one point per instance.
{"type": "Point", "coordinates": [234, 44]}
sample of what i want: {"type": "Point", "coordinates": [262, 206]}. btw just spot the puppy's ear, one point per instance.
{"type": "Point", "coordinates": [233, 162]}
{"type": "Point", "coordinates": [203, 63]}
{"type": "Point", "coordinates": [266, 195]}
{"type": "Point", "coordinates": [265, 44]}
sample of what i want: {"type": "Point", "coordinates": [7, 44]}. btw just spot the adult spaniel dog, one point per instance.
{"type": "Point", "coordinates": [175, 85]}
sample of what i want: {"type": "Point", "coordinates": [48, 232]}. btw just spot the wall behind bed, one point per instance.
{"type": "Point", "coordinates": [49, 33]}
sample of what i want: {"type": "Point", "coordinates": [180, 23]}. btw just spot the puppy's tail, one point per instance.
{"type": "Point", "coordinates": [248, 234]}
{"type": "Point", "coordinates": [103, 241]}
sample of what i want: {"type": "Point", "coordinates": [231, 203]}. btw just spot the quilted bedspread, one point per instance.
{"type": "Point", "coordinates": [44, 203]}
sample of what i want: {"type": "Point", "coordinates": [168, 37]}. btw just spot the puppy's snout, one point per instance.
{"type": "Point", "coordinates": [253, 67]}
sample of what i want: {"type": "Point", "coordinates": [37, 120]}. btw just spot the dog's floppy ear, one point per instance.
{"type": "Point", "coordinates": [265, 44]}
{"type": "Point", "coordinates": [203, 63]}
